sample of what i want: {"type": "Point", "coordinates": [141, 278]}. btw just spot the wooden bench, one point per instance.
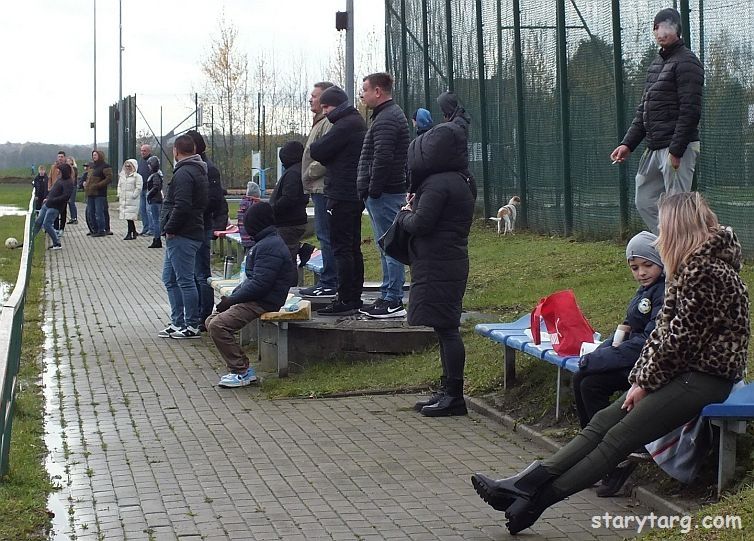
{"type": "Point", "coordinates": [280, 319]}
{"type": "Point", "coordinates": [730, 416]}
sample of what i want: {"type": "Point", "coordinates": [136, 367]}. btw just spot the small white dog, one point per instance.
{"type": "Point", "coordinates": [507, 215]}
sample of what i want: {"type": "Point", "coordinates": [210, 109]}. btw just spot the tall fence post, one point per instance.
{"type": "Point", "coordinates": [483, 105]}
{"type": "Point", "coordinates": [388, 38]}
{"type": "Point", "coordinates": [686, 22]}
{"type": "Point", "coordinates": [404, 56]}
{"type": "Point", "coordinates": [620, 116]}
{"type": "Point", "coordinates": [565, 129]}
{"type": "Point", "coordinates": [521, 113]}
{"type": "Point", "coordinates": [425, 40]}
{"type": "Point", "coordinates": [449, 29]}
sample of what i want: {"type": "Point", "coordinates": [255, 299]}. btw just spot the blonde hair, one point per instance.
{"type": "Point", "coordinates": [686, 222]}
{"type": "Point", "coordinates": [70, 160]}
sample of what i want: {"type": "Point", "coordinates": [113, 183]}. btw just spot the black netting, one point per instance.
{"type": "Point", "coordinates": [600, 201]}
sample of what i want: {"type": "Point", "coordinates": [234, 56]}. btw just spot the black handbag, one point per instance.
{"type": "Point", "coordinates": [395, 242]}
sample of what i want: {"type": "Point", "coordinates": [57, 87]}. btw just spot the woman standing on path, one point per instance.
{"type": "Point", "coordinates": [129, 192]}
{"type": "Point", "coordinates": [438, 218]}
{"type": "Point", "coordinates": [692, 358]}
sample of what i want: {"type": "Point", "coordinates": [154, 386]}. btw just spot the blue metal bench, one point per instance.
{"type": "Point", "coordinates": [514, 338]}
{"type": "Point", "coordinates": [730, 416]}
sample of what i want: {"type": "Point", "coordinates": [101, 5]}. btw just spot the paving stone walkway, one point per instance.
{"type": "Point", "coordinates": [149, 448]}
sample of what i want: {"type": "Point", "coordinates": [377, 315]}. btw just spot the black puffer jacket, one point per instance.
{"type": "Point", "coordinates": [382, 164]}
{"type": "Point", "coordinates": [439, 223]}
{"type": "Point", "coordinates": [268, 270]}
{"type": "Point", "coordinates": [640, 316]}
{"type": "Point", "coordinates": [185, 199]}
{"type": "Point", "coordinates": [216, 213]}
{"type": "Point", "coordinates": [671, 106]}
{"type": "Point", "coordinates": [59, 194]}
{"type": "Point", "coordinates": [339, 150]}
{"type": "Point", "coordinates": [288, 199]}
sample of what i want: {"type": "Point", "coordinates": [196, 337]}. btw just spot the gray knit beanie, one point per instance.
{"type": "Point", "coordinates": [643, 245]}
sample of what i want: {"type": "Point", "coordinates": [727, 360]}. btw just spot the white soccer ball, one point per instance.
{"type": "Point", "coordinates": [11, 243]}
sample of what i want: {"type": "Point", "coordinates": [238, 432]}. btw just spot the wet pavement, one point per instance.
{"type": "Point", "coordinates": [145, 446]}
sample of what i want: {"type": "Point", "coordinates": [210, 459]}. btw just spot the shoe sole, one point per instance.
{"type": "Point", "coordinates": [185, 337]}
{"type": "Point", "coordinates": [310, 296]}
{"type": "Point", "coordinates": [344, 313]}
{"type": "Point", "coordinates": [498, 503]}
{"type": "Point", "coordinates": [234, 386]}
{"type": "Point", "coordinates": [399, 313]}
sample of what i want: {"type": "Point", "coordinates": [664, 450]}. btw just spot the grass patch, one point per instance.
{"type": "Point", "coordinates": [23, 493]}
{"type": "Point", "coordinates": [15, 194]}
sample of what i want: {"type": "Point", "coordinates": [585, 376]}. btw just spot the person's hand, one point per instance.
{"type": "Point", "coordinates": [223, 305]}
{"type": "Point", "coordinates": [634, 396]}
{"type": "Point", "coordinates": [620, 154]}
{"type": "Point", "coordinates": [675, 161]}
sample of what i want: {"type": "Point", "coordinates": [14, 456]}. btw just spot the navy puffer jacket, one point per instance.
{"type": "Point", "coordinates": [671, 106]}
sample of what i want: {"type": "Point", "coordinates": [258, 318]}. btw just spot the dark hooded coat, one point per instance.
{"type": "Point", "coordinates": [439, 224]}
{"type": "Point", "coordinates": [288, 199]}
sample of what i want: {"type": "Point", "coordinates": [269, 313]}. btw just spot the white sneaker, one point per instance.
{"type": "Point", "coordinates": [168, 331]}
{"type": "Point", "coordinates": [237, 380]}
{"type": "Point", "coordinates": [188, 332]}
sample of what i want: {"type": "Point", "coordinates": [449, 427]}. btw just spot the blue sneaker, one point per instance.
{"type": "Point", "coordinates": [231, 380]}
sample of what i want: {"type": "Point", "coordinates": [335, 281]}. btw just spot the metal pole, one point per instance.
{"type": "Point", "coordinates": [94, 123]}
{"type": "Point", "coordinates": [212, 127]}
{"type": "Point", "coordinates": [686, 22]}
{"type": "Point", "coordinates": [521, 110]}
{"type": "Point", "coordinates": [388, 39]}
{"type": "Point", "coordinates": [259, 122]}
{"type": "Point", "coordinates": [404, 59]}
{"type": "Point", "coordinates": [349, 82]}
{"type": "Point", "coordinates": [483, 106]}
{"type": "Point", "coordinates": [565, 130]}
{"type": "Point", "coordinates": [196, 111]}
{"type": "Point", "coordinates": [449, 27]}
{"type": "Point", "coordinates": [264, 138]}
{"type": "Point", "coordinates": [620, 116]}
{"type": "Point", "coordinates": [121, 105]}
{"type": "Point", "coordinates": [425, 47]}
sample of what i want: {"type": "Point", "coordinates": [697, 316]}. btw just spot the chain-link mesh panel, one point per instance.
{"type": "Point", "coordinates": [598, 115]}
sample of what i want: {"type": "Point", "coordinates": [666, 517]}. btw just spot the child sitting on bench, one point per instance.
{"type": "Point", "coordinates": [268, 276]}
{"type": "Point", "coordinates": [605, 371]}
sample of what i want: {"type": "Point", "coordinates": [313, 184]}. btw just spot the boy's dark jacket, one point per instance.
{"type": "Point", "coordinates": [40, 186]}
{"type": "Point", "coordinates": [640, 315]}
{"type": "Point", "coordinates": [289, 200]}
{"type": "Point", "coordinates": [268, 272]}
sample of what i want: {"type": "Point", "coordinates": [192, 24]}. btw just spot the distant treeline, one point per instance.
{"type": "Point", "coordinates": [14, 155]}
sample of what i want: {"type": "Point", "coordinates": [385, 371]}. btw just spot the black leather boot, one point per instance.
{"type": "Point", "coordinates": [451, 403]}
{"type": "Point", "coordinates": [435, 395]}
{"type": "Point", "coordinates": [500, 494]}
{"type": "Point", "coordinates": [523, 513]}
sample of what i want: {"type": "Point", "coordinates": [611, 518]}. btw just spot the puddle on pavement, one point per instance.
{"type": "Point", "coordinates": [54, 440]}
{"type": "Point", "coordinates": [6, 210]}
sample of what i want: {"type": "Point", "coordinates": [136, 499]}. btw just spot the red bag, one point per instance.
{"type": "Point", "coordinates": [566, 324]}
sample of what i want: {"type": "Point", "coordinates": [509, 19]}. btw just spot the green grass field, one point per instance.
{"type": "Point", "coordinates": [23, 493]}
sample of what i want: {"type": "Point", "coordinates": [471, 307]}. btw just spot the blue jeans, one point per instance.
{"type": "Point", "coordinates": [73, 212]}
{"type": "Point", "coordinates": [45, 219]}
{"type": "Point", "coordinates": [178, 277]}
{"type": "Point", "coordinates": [98, 206]}
{"type": "Point", "coordinates": [202, 271]}
{"type": "Point", "coordinates": [144, 214]}
{"type": "Point", "coordinates": [329, 276]}
{"type": "Point", "coordinates": [154, 217]}
{"type": "Point", "coordinates": [382, 212]}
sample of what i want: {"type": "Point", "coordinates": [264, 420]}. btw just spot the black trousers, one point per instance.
{"type": "Point", "coordinates": [592, 392]}
{"type": "Point", "coordinates": [452, 353]}
{"type": "Point", "coordinates": [345, 238]}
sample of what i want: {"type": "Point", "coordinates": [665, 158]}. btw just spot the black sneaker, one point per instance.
{"type": "Point", "coordinates": [340, 308]}
{"type": "Point", "coordinates": [187, 333]}
{"type": "Point", "coordinates": [383, 309]}
{"type": "Point", "coordinates": [305, 253]}
{"type": "Point", "coordinates": [99, 234]}
{"type": "Point", "coordinates": [318, 291]}
{"type": "Point", "coordinates": [72, 222]}
{"type": "Point", "coordinates": [614, 481]}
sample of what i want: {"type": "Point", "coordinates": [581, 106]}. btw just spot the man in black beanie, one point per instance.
{"type": "Point", "coordinates": [668, 118]}
{"type": "Point", "coordinates": [339, 150]}
{"type": "Point", "coordinates": [268, 276]}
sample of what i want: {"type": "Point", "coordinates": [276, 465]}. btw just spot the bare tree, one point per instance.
{"type": "Point", "coordinates": [227, 83]}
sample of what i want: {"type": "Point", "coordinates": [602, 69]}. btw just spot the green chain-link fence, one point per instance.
{"type": "Point", "coordinates": [549, 142]}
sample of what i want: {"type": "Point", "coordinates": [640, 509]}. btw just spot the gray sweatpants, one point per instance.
{"type": "Point", "coordinates": [656, 176]}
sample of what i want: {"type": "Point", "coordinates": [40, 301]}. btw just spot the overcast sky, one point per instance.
{"type": "Point", "coordinates": [47, 90]}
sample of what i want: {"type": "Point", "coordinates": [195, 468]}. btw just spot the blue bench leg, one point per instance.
{"type": "Point", "coordinates": [509, 372]}
{"type": "Point", "coordinates": [726, 463]}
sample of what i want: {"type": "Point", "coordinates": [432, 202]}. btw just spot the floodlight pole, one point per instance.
{"type": "Point", "coordinates": [121, 108]}
{"type": "Point", "coordinates": [94, 122]}
{"type": "Point", "coordinates": [350, 81]}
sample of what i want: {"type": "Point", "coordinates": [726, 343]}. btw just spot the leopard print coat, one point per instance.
{"type": "Point", "coordinates": [703, 325]}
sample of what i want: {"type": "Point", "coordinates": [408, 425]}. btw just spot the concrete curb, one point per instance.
{"type": "Point", "coordinates": [657, 503]}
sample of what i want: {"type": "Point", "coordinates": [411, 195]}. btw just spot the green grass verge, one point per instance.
{"type": "Point", "coordinates": [24, 491]}
{"type": "Point", "coordinates": [16, 194]}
